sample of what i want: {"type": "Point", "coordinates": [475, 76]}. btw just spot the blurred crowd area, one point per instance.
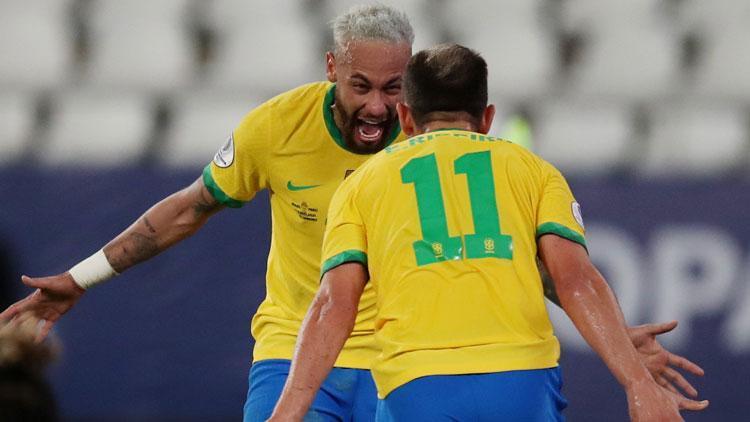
{"type": "Point", "coordinates": [606, 88]}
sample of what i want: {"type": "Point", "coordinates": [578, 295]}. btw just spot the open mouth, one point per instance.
{"type": "Point", "coordinates": [370, 130]}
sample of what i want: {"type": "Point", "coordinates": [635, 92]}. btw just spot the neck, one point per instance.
{"type": "Point", "coordinates": [338, 119]}
{"type": "Point", "coordinates": [448, 124]}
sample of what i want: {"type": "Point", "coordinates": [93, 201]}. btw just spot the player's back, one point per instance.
{"type": "Point", "coordinates": [451, 219]}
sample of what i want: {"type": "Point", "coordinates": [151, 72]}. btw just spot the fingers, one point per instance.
{"type": "Point", "coordinates": [36, 283]}
{"type": "Point", "coordinates": [9, 313]}
{"type": "Point", "coordinates": [685, 403]}
{"type": "Point", "coordinates": [681, 362]}
{"type": "Point", "coordinates": [677, 378]}
{"type": "Point", "coordinates": [17, 308]}
{"type": "Point", "coordinates": [44, 329]}
{"type": "Point", "coordinates": [41, 322]}
{"type": "Point", "coordinates": [660, 328]}
{"type": "Point", "coordinates": [28, 281]}
{"type": "Point", "coordinates": [694, 405]}
{"type": "Point", "coordinates": [668, 385]}
{"type": "Point", "coordinates": [22, 305]}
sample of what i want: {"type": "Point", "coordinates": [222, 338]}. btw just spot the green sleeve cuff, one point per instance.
{"type": "Point", "coordinates": [216, 191]}
{"type": "Point", "coordinates": [351, 255]}
{"type": "Point", "coordinates": [562, 231]}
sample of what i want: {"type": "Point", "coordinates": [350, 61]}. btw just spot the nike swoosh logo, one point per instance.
{"type": "Point", "coordinates": [292, 187]}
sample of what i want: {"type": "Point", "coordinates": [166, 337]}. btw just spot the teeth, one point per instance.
{"type": "Point", "coordinates": [372, 137]}
{"type": "Point", "coordinates": [372, 122]}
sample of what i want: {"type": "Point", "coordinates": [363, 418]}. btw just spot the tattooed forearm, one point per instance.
{"type": "Point", "coordinates": [205, 205]}
{"type": "Point", "coordinates": [149, 225]}
{"type": "Point", "coordinates": [134, 248]}
{"type": "Point", "coordinates": [166, 223]}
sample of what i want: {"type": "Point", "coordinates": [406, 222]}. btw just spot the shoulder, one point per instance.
{"type": "Point", "coordinates": [529, 160]}
{"type": "Point", "coordinates": [308, 95]}
{"type": "Point", "coordinates": [258, 124]}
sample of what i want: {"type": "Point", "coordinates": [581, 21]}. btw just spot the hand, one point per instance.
{"type": "Point", "coordinates": [53, 297]}
{"type": "Point", "coordinates": [648, 402]}
{"type": "Point", "coordinates": [659, 361]}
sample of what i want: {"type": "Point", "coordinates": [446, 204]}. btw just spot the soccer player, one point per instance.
{"type": "Point", "coordinates": [300, 146]}
{"type": "Point", "coordinates": [445, 228]}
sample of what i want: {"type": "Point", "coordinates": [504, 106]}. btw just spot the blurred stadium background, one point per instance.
{"type": "Point", "coordinates": [106, 106]}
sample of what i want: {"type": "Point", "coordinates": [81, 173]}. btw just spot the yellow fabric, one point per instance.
{"type": "Point", "coordinates": [460, 315]}
{"type": "Point", "coordinates": [287, 146]}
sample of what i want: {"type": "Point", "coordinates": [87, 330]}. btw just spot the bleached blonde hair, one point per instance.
{"type": "Point", "coordinates": [375, 22]}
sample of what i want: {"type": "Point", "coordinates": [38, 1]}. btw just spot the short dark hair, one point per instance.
{"type": "Point", "coordinates": [446, 78]}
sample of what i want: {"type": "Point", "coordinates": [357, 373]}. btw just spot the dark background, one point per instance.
{"type": "Point", "coordinates": [169, 340]}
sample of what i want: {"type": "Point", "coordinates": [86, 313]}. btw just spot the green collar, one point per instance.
{"type": "Point", "coordinates": [334, 131]}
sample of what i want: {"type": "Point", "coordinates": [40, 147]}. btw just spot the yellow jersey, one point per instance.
{"type": "Point", "coordinates": [291, 146]}
{"type": "Point", "coordinates": [447, 224]}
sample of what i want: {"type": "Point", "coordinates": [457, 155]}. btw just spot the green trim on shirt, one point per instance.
{"type": "Point", "coordinates": [216, 191]}
{"type": "Point", "coordinates": [562, 231]}
{"type": "Point", "coordinates": [334, 131]}
{"type": "Point", "coordinates": [351, 255]}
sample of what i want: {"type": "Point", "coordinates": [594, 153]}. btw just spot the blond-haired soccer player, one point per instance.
{"type": "Point", "coordinates": [300, 146]}
{"type": "Point", "coordinates": [446, 226]}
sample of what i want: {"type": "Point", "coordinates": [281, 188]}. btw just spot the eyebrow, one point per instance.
{"type": "Point", "coordinates": [361, 78]}
{"type": "Point", "coordinates": [364, 79]}
{"type": "Point", "coordinates": [394, 80]}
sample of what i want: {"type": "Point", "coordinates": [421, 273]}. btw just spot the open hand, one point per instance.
{"type": "Point", "coordinates": [53, 297]}
{"type": "Point", "coordinates": [661, 362]}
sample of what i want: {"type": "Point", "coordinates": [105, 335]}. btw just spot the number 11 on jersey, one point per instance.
{"type": "Point", "coordinates": [436, 244]}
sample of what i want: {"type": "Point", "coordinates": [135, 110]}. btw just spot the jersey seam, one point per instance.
{"type": "Point", "coordinates": [215, 191]}
{"type": "Point", "coordinates": [562, 231]}
{"type": "Point", "coordinates": [351, 255]}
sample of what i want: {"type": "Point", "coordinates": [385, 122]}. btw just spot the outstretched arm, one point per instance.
{"type": "Point", "coordinates": [591, 305]}
{"type": "Point", "coordinates": [660, 362]}
{"type": "Point", "coordinates": [166, 223]}
{"type": "Point", "coordinates": [173, 219]}
{"type": "Point", "coordinates": [328, 324]}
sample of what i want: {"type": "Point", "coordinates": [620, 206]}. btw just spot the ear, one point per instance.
{"type": "Point", "coordinates": [330, 66]}
{"type": "Point", "coordinates": [487, 117]}
{"type": "Point", "coordinates": [406, 119]}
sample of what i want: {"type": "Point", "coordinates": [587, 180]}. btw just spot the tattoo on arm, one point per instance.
{"type": "Point", "coordinates": [549, 285]}
{"type": "Point", "coordinates": [135, 248]}
{"type": "Point", "coordinates": [149, 225]}
{"type": "Point", "coordinates": [165, 224]}
{"type": "Point", "coordinates": [205, 205]}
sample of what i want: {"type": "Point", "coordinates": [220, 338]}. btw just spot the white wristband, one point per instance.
{"type": "Point", "coordinates": [92, 270]}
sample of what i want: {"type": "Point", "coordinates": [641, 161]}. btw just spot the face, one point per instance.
{"type": "Point", "coordinates": [368, 86]}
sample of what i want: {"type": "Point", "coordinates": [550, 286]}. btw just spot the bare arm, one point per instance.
{"type": "Point", "coordinates": [549, 286]}
{"type": "Point", "coordinates": [660, 362]}
{"type": "Point", "coordinates": [591, 305]}
{"type": "Point", "coordinates": [328, 324]}
{"type": "Point", "coordinates": [171, 220]}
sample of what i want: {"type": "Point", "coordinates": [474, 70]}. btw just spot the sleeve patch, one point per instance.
{"type": "Point", "coordinates": [577, 214]}
{"type": "Point", "coordinates": [225, 156]}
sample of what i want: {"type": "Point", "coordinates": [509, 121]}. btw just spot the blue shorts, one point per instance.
{"type": "Point", "coordinates": [528, 396]}
{"type": "Point", "coordinates": [346, 395]}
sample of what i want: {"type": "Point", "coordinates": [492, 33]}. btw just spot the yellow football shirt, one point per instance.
{"type": "Point", "coordinates": [291, 146]}
{"type": "Point", "coordinates": [447, 224]}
